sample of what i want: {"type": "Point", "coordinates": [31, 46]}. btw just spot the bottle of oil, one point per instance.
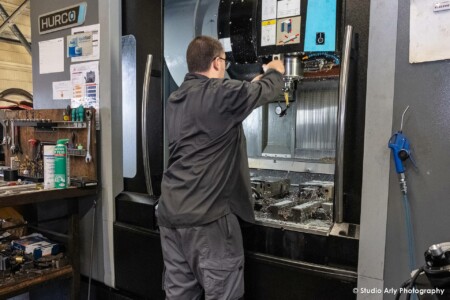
{"type": "Point", "coordinates": [61, 164]}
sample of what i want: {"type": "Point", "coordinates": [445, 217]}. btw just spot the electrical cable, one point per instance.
{"type": "Point", "coordinates": [412, 283]}
{"type": "Point", "coordinates": [404, 285]}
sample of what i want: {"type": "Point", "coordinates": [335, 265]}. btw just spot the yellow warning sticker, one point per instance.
{"type": "Point", "coordinates": [269, 22]}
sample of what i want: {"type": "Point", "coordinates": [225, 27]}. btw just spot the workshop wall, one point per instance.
{"type": "Point", "coordinates": [109, 146]}
{"type": "Point", "coordinates": [15, 61]}
{"type": "Point", "coordinates": [424, 87]}
{"type": "Point", "coordinates": [42, 83]}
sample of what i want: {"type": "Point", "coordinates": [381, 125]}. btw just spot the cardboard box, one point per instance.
{"type": "Point", "coordinates": [36, 244]}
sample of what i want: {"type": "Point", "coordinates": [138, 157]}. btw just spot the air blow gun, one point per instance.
{"type": "Point", "coordinates": [401, 152]}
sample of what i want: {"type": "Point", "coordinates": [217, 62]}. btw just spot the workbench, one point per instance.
{"type": "Point", "coordinates": [71, 271]}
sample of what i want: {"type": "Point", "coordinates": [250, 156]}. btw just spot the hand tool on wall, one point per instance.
{"type": "Point", "coordinates": [13, 148]}
{"type": "Point", "coordinates": [401, 152]}
{"type": "Point", "coordinates": [5, 133]}
{"type": "Point", "coordinates": [74, 114]}
{"type": "Point", "coordinates": [34, 143]}
{"type": "Point", "coordinates": [6, 137]}
{"type": "Point", "coordinates": [39, 151]}
{"type": "Point", "coordinates": [88, 146]}
{"type": "Point", "coordinates": [67, 113]}
{"type": "Point", "coordinates": [80, 113]}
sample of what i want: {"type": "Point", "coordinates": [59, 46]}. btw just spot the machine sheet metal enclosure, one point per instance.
{"type": "Point", "coordinates": [292, 157]}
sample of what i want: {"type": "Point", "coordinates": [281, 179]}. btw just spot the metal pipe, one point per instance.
{"type": "Point", "coordinates": [8, 40]}
{"type": "Point", "coordinates": [13, 16]}
{"type": "Point", "coordinates": [145, 155]}
{"type": "Point", "coordinates": [343, 85]}
{"type": "Point", "coordinates": [15, 30]}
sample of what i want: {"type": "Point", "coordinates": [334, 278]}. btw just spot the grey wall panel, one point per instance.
{"type": "Point", "coordinates": [425, 88]}
{"type": "Point", "coordinates": [378, 127]}
{"type": "Point", "coordinates": [109, 148]}
{"type": "Point", "coordinates": [42, 84]}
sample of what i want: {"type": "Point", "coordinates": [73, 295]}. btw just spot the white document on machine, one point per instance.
{"type": "Point", "coordinates": [269, 9]}
{"type": "Point", "coordinates": [51, 56]}
{"type": "Point", "coordinates": [95, 29]}
{"type": "Point", "coordinates": [288, 8]}
{"type": "Point", "coordinates": [429, 31]}
{"type": "Point", "coordinates": [62, 90]}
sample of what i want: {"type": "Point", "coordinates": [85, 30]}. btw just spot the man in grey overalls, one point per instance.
{"type": "Point", "coordinates": [207, 183]}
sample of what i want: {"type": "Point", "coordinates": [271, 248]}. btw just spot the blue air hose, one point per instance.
{"type": "Point", "coordinates": [409, 230]}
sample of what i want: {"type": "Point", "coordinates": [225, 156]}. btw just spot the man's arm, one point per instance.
{"type": "Point", "coordinates": [275, 64]}
{"type": "Point", "coordinates": [241, 97]}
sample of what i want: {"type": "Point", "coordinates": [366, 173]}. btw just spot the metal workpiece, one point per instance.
{"type": "Point", "coordinates": [345, 230]}
{"type": "Point", "coordinates": [305, 207]}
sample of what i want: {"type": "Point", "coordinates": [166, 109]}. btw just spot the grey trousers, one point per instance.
{"type": "Point", "coordinates": [206, 259]}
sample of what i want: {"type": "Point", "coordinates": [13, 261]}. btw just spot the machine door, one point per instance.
{"type": "Point", "coordinates": [142, 29]}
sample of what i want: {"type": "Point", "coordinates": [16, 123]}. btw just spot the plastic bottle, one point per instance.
{"type": "Point", "coordinates": [61, 164]}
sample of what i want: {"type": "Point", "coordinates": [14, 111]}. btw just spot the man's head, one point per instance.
{"type": "Point", "coordinates": [205, 55]}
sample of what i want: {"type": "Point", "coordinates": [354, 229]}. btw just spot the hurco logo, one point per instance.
{"type": "Point", "coordinates": [63, 18]}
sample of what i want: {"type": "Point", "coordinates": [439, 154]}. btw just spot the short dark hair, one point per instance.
{"type": "Point", "coordinates": [201, 52]}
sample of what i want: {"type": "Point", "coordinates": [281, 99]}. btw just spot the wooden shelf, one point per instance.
{"type": "Point", "coordinates": [26, 282]}
{"type": "Point", "coordinates": [19, 284]}
{"type": "Point", "coordinates": [44, 195]}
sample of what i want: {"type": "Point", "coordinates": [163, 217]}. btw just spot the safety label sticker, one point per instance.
{"type": "Point", "coordinates": [268, 32]}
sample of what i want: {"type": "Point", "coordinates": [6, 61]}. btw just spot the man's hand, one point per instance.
{"type": "Point", "coordinates": [275, 64]}
{"type": "Point", "coordinates": [257, 77]}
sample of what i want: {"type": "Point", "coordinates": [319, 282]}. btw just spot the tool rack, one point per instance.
{"type": "Point", "coordinates": [48, 126]}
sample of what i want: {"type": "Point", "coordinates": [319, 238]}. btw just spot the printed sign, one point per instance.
{"type": "Point", "coordinates": [63, 18]}
{"type": "Point", "coordinates": [79, 44]}
{"type": "Point", "coordinates": [288, 31]}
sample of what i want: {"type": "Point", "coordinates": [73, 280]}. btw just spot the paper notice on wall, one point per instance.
{"type": "Point", "coordinates": [288, 8]}
{"type": "Point", "coordinates": [269, 9]}
{"type": "Point", "coordinates": [226, 44]}
{"type": "Point", "coordinates": [79, 44]}
{"type": "Point", "coordinates": [268, 32]}
{"type": "Point", "coordinates": [62, 90]}
{"type": "Point", "coordinates": [429, 31]}
{"type": "Point", "coordinates": [95, 30]}
{"type": "Point", "coordinates": [85, 80]}
{"type": "Point", "coordinates": [51, 56]}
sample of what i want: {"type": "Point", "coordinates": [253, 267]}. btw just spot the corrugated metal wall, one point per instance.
{"type": "Point", "coordinates": [317, 112]}
{"type": "Point", "coordinates": [15, 61]}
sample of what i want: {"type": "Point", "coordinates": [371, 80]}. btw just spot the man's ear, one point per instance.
{"type": "Point", "coordinates": [215, 64]}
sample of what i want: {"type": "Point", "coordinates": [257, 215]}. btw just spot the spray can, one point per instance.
{"type": "Point", "coordinates": [61, 164]}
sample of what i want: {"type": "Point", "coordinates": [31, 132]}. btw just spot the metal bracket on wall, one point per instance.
{"type": "Point", "coordinates": [9, 21]}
